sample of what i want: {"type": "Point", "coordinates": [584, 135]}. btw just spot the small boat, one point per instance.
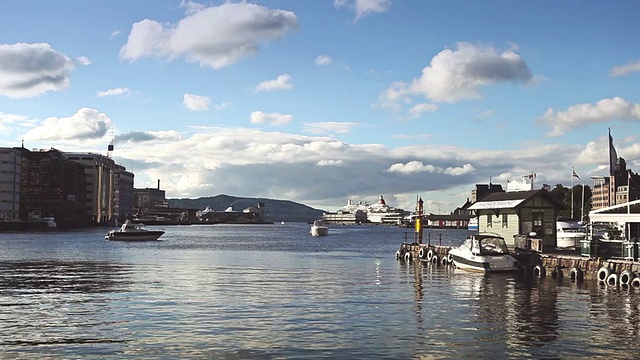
{"type": "Point", "coordinates": [51, 221]}
{"type": "Point", "coordinates": [484, 252]}
{"type": "Point", "coordinates": [133, 232]}
{"type": "Point", "coordinates": [473, 224]}
{"type": "Point", "coordinates": [319, 228]}
{"type": "Point", "coordinates": [569, 233]}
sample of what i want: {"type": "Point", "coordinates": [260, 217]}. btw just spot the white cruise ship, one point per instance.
{"type": "Point", "coordinates": [378, 213]}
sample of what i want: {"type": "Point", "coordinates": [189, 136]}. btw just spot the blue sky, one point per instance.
{"type": "Point", "coordinates": [321, 101]}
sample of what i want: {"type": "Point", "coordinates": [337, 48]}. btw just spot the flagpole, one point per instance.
{"type": "Point", "coordinates": [582, 211]}
{"type": "Point", "coordinates": [572, 172]}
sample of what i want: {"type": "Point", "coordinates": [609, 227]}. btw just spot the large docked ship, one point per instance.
{"type": "Point", "coordinates": [362, 212]}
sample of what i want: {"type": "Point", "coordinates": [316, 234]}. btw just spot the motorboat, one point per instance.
{"type": "Point", "coordinates": [569, 233]}
{"type": "Point", "coordinates": [319, 228]}
{"type": "Point", "coordinates": [484, 252]}
{"type": "Point", "coordinates": [473, 224]}
{"type": "Point", "coordinates": [133, 232]}
{"type": "Point", "coordinates": [50, 221]}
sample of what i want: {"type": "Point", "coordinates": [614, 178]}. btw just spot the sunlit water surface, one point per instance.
{"type": "Point", "coordinates": [275, 292]}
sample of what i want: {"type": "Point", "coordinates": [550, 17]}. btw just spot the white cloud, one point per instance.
{"type": "Point", "coordinates": [214, 36]}
{"type": "Point", "coordinates": [457, 171]}
{"type": "Point", "coordinates": [580, 115]}
{"type": "Point", "coordinates": [330, 163]}
{"type": "Point", "coordinates": [83, 60]}
{"type": "Point", "coordinates": [27, 70]}
{"type": "Point", "coordinates": [196, 102]}
{"type": "Point", "coordinates": [9, 122]}
{"type": "Point", "coordinates": [282, 82]}
{"type": "Point", "coordinates": [323, 60]}
{"type": "Point", "coordinates": [626, 69]}
{"type": "Point", "coordinates": [222, 106]}
{"type": "Point", "coordinates": [417, 110]}
{"type": "Point", "coordinates": [191, 7]}
{"type": "Point", "coordinates": [259, 117]}
{"type": "Point", "coordinates": [411, 167]}
{"type": "Point", "coordinates": [329, 127]}
{"type": "Point", "coordinates": [144, 136]}
{"type": "Point", "coordinates": [114, 34]}
{"type": "Point", "coordinates": [458, 74]}
{"type": "Point", "coordinates": [364, 7]}
{"type": "Point", "coordinates": [85, 124]}
{"type": "Point", "coordinates": [115, 92]}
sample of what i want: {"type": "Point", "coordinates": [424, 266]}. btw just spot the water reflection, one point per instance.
{"type": "Point", "coordinates": [58, 303]}
{"type": "Point", "coordinates": [260, 292]}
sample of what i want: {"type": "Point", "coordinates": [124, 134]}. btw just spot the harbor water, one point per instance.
{"type": "Point", "coordinates": [276, 292]}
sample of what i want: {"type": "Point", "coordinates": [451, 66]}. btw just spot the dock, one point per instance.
{"type": "Point", "coordinates": [534, 264]}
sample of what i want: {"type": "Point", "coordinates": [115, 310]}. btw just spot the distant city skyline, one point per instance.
{"type": "Point", "coordinates": [321, 101]}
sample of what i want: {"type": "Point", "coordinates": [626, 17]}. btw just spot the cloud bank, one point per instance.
{"type": "Point", "coordinates": [459, 74]}
{"type": "Point", "coordinates": [27, 70]}
{"type": "Point", "coordinates": [604, 111]}
{"type": "Point", "coordinates": [214, 36]}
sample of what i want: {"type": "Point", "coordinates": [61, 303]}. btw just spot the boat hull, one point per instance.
{"type": "Point", "coordinates": [142, 236]}
{"type": "Point", "coordinates": [564, 241]}
{"type": "Point", "coordinates": [319, 231]}
{"type": "Point", "coordinates": [487, 264]}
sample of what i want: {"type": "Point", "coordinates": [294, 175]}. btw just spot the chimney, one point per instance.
{"type": "Point", "coordinates": [158, 184]}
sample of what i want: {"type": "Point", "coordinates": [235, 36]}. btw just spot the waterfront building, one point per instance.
{"type": "Point", "coordinates": [51, 185]}
{"type": "Point", "coordinates": [621, 188]}
{"type": "Point", "coordinates": [447, 221]}
{"type": "Point", "coordinates": [482, 190]}
{"type": "Point", "coordinates": [99, 185]}
{"type": "Point", "coordinates": [10, 171]}
{"type": "Point", "coordinates": [519, 212]}
{"type": "Point", "coordinates": [600, 194]}
{"type": "Point", "coordinates": [123, 183]}
{"type": "Point", "coordinates": [147, 198]}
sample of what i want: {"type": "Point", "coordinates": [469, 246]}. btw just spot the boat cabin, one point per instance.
{"type": "Point", "coordinates": [486, 245]}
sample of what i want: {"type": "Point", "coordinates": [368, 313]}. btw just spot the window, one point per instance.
{"type": "Point", "coordinates": [505, 220]}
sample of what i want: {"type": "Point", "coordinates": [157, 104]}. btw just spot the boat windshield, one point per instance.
{"type": "Point", "coordinates": [493, 246]}
{"type": "Point", "coordinates": [573, 230]}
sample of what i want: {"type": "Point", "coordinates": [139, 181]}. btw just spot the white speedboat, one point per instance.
{"type": "Point", "coordinates": [51, 221]}
{"type": "Point", "coordinates": [319, 228]}
{"type": "Point", "coordinates": [473, 224]}
{"type": "Point", "coordinates": [484, 252]}
{"type": "Point", "coordinates": [133, 232]}
{"type": "Point", "coordinates": [569, 233]}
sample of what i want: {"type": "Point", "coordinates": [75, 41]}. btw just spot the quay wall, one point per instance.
{"type": "Point", "coordinates": [537, 264]}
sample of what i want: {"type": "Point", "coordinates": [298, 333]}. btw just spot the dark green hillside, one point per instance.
{"type": "Point", "coordinates": [275, 210]}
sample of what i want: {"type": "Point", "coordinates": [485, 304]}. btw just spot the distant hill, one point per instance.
{"type": "Point", "coordinates": [274, 210]}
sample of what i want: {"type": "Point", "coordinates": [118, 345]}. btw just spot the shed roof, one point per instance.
{"type": "Point", "coordinates": [627, 212]}
{"type": "Point", "coordinates": [511, 200]}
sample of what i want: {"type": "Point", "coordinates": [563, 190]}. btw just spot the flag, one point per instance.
{"type": "Point", "coordinates": [613, 156]}
{"type": "Point", "coordinates": [574, 174]}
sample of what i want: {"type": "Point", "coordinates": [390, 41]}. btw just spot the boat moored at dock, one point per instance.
{"type": "Point", "coordinates": [484, 252]}
{"type": "Point", "coordinates": [569, 233]}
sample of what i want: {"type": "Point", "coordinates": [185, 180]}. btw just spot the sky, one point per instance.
{"type": "Point", "coordinates": [323, 101]}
